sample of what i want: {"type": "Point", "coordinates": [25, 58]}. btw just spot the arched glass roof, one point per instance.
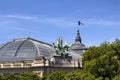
{"type": "Point", "coordinates": [25, 49]}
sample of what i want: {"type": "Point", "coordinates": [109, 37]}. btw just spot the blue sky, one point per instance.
{"type": "Point", "coordinates": [46, 20]}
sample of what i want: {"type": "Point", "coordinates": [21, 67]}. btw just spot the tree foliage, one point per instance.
{"type": "Point", "coordinates": [8, 77]}
{"type": "Point", "coordinates": [22, 76]}
{"type": "Point", "coordinates": [117, 77]}
{"type": "Point", "coordinates": [56, 76]}
{"type": "Point", "coordinates": [79, 75]}
{"type": "Point", "coordinates": [104, 60]}
{"type": "Point", "coordinates": [29, 76]}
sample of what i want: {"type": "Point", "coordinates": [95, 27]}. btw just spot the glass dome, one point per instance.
{"type": "Point", "coordinates": [25, 49]}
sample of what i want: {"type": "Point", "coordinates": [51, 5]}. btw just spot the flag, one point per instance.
{"type": "Point", "coordinates": [80, 23]}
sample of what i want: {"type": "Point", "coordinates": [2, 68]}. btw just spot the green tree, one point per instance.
{"type": "Point", "coordinates": [104, 60]}
{"type": "Point", "coordinates": [55, 76]}
{"type": "Point", "coordinates": [29, 76]}
{"type": "Point", "coordinates": [8, 77]}
{"type": "Point", "coordinates": [117, 77]}
{"type": "Point", "coordinates": [79, 75]}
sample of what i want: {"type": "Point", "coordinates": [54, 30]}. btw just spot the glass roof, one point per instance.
{"type": "Point", "coordinates": [29, 49]}
{"type": "Point", "coordinates": [25, 48]}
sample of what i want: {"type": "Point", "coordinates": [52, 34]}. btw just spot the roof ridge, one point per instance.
{"type": "Point", "coordinates": [40, 41]}
{"type": "Point", "coordinates": [19, 47]}
{"type": "Point", "coordinates": [4, 45]}
{"type": "Point", "coordinates": [32, 39]}
{"type": "Point", "coordinates": [38, 51]}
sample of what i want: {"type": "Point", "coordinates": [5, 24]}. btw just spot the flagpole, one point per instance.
{"type": "Point", "coordinates": [80, 24]}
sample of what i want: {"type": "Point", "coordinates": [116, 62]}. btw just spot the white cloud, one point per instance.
{"type": "Point", "coordinates": [102, 22]}
{"type": "Point", "coordinates": [58, 22]}
{"type": "Point", "coordinates": [21, 17]}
